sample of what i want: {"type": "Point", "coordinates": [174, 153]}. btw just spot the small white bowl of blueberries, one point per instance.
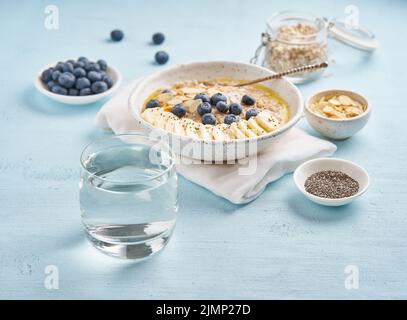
{"type": "Point", "coordinates": [78, 81]}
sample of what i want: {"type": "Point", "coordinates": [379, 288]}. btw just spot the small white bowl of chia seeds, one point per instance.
{"type": "Point", "coordinates": [331, 181]}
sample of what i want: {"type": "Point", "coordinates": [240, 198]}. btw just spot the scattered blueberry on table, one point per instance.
{"type": "Point", "coordinates": [158, 38]}
{"type": "Point", "coordinates": [116, 35]}
{"type": "Point", "coordinates": [209, 118]}
{"type": "Point", "coordinates": [161, 57]}
{"type": "Point", "coordinates": [203, 108]}
{"type": "Point", "coordinates": [179, 110]}
{"type": "Point", "coordinates": [81, 77]}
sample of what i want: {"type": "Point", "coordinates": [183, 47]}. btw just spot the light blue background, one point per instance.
{"type": "Point", "coordinates": [279, 246]}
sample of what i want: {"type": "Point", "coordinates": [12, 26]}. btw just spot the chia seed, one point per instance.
{"type": "Point", "coordinates": [331, 184]}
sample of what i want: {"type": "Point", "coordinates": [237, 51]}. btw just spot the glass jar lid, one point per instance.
{"type": "Point", "coordinates": [356, 37]}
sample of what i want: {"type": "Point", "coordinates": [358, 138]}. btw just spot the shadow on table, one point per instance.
{"type": "Point", "coordinates": [309, 210]}
{"type": "Point", "coordinates": [43, 105]}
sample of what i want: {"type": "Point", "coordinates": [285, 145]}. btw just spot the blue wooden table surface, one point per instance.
{"type": "Point", "coordinates": [279, 246]}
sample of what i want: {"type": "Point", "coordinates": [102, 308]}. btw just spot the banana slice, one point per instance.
{"type": "Point", "coordinates": [226, 131]}
{"type": "Point", "coordinates": [191, 132]}
{"type": "Point", "coordinates": [148, 115]}
{"type": "Point", "coordinates": [236, 131]}
{"type": "Point", "coordinates": [254, 126]}
{"type": "Point", "coordinates": [169, 126]}
{"type": "Point", "coordinates": [177, 127]}
{"type": "Point", "coordinates": [267, 121]}
{"type": "Point", "coordinates": [218, 134]}
{"type": "Point", "coordinates": [242, 125]}
{"type": "Point", "coordinates": [205, 132]}
{"type": "Point", "coordinates": [160, 121]}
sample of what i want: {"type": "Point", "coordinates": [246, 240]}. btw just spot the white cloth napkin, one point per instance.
{"type": "Point", "coordinates": [229, 181]}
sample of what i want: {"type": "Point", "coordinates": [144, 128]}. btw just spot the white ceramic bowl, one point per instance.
{"type": "Point", "coordinates": [338, 129]}
{"type": "Point", "coordinates": [313, 166]}
{"type": "Point", "coordinates": [216, 150]}
{"type": "Point", "coordinates": [41, 87]}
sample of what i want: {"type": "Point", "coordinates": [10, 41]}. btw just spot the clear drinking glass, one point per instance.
{"type": "Point", "coordinates": [128, 195]}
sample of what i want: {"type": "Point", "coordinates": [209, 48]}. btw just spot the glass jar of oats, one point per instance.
{"type": "Point", "coordinates": [294, 39]}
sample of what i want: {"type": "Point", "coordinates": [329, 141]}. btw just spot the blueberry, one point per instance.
{"type": "Point", "coordinates": [235, 108]}
{"type": "Point", "coordinates": [204, 97]}
{"type": "Point", "coordinates": [67, 67]}
{"type": "Point", "coordinates": [209, 118]}
{"type": "Point", "coordinates": [64, 67]}
{"type": "Point", "coordinates": [218, 97]}
{"type": "Point", "coordinates": [161, 57]}
{"type": "Point", "coordinates": [102, 64]}
{"type": "Point", "coordinates": [85, 92]}
{"type": "Point", "coordinates": [94, 76]}
{"type": "Point", "coordinates": [82, 83]}
{"type": "Point", "coordinates": [158, 38]}
{"type": "Point", "coordinates": [79, 72]}
{"type": "Point", "coordinates": [179, 110]}
{"type": "Point", "coordinates": [55, 75]}
{"type": "Point", "coordinates": [79, 64]}
{"type": "Point", "coordinates": [166, 91]}
{"type": "Point", "coordinates": [99, 87]}
{"type": "Point", "coordinates": [222, 107]}
{"type": "Point", "coordinates": [50, 84]}
{"type": "Point", "coordinates": [59, 90]}
{"type": "Point", "coordinates": [154, 103]}
{"type": "Point", "coordinates": [87, 67]}
{"type": "Point", "coordinates": [73, 62]}
{"type": "Point", "coordinates": [83, 60]}
{"type": "Point", "coordinates": [93, 67]}
{"type": "Point", "coordinates": [47, 75]}
{"type": "Point", "coordinates": [59, 66]}
{"type": "Point", "coordinates": [230, 118]}
{"type": "Point", "coordinates": [204, 107]}
{"type": "Point", "coordinates": [251, 113]}
{"type": "Point", "coordinates": [67, 80]}
{"type": "Point", "coordinates": [73, 92]}
{"type": "Point", "coordinates": [116, 35]}
{"type": "Point", "coordinates": [102, 73]}
{"type": "Point", "coordinates": [108, 81]}
{"type": "Point", "coordinates": [247, 100]}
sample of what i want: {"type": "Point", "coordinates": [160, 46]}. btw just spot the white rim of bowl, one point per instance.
{"type": "Point", "coordinates": [40, 85]}
{"type": "Point", "coordinates": [327, 91]}
{"type": "Point", "coordinates": [305, 192]}
{"type": "Point", "coordinates": [291, 123]}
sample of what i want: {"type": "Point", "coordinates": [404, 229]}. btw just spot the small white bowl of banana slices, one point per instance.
{"type": "Point", "coordinates": [199, 110]}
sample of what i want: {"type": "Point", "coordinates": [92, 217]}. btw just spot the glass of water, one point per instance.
{"type": "Point", "coordinates": [128, 195]}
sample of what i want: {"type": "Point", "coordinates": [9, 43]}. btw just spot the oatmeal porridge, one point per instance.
{"type": "Point", "coordinates": [216, 110]}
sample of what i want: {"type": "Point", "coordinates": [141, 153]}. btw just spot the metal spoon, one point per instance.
{"type": "Point", "coordinates": [286, 73]}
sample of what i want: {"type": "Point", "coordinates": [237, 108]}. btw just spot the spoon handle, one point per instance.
{"type": "Point", "coordinates": [286, 73]}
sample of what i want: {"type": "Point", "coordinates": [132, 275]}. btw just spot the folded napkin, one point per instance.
{"type": "Point", "coordinates": [239, 183]}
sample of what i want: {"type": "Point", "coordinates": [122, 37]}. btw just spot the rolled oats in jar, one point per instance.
{"type": "Point", "coordinates": [295, 39]}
